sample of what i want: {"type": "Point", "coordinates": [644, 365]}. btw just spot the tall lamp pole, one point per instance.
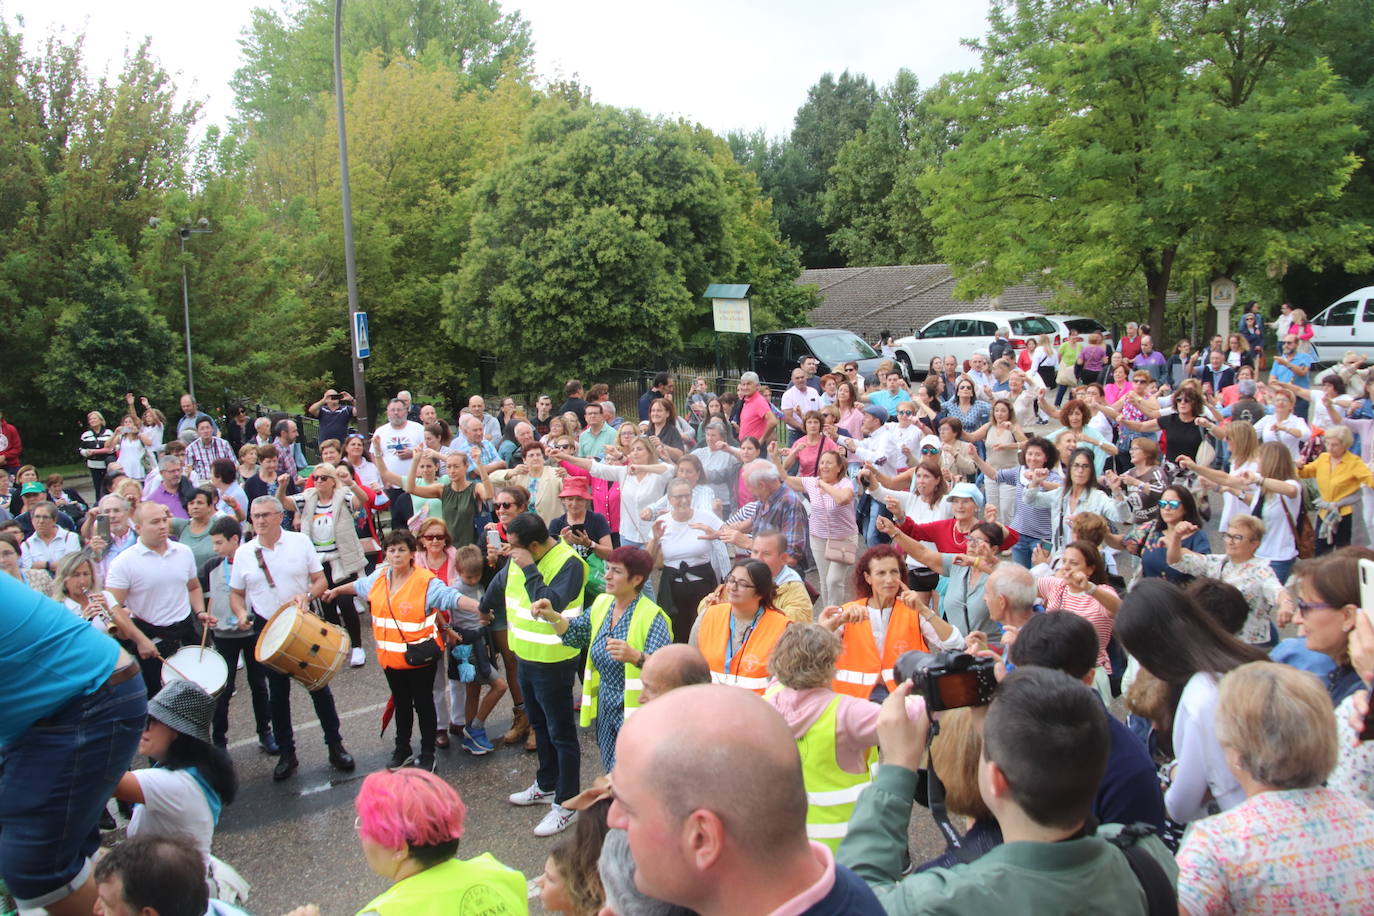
{"type": "Point", "coordinates": [350, 265]}
{"type": "Point", "coordinates": [184, 233]}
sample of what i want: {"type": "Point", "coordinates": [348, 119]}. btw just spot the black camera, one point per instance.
{"type": "Point", "coordinates": [948, 680]}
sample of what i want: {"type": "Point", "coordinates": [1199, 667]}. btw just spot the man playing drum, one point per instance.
{"type": "Point", "coordinates": [280, 567]}
{"type": "Point", "coordinates": [156, 581]}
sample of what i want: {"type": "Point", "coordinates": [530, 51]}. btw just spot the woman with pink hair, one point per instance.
{"type": "Point", "coordinates": [409, 824]}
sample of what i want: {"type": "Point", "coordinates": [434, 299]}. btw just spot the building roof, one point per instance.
{"type": "Point", "coordinates": [867, 300]}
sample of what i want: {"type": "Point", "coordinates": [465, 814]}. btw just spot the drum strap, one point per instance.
{"type": "Point", "coordinates": [262, 564]}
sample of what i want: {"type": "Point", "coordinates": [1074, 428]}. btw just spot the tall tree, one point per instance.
{"type": "Point", "coordinates": [107, 339]}
{"type": "Point", "coordinates": [595, 241]}
{"type": "Point", "coordinates": [1112, 146]}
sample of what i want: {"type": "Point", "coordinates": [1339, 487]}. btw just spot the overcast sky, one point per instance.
{"type": "Point", "coordinates": [724, 64]}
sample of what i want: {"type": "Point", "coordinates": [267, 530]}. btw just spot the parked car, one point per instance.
{"type": "Point", "coordinates": [1346, 324]}
{"type": "Point", "coordinates": [965, 333]}
{"type": "Point", "coordinates": [1083, 325]}
{"type": "Point", "coordinates": [777, 353]}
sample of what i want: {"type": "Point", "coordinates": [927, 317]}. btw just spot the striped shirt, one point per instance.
{"type": "Point", "coordinates": [1031, 522]}
{"type": "Point", "coordinates": [1058, 597]}
{"type": "Point", "coordinates": [827, 520]}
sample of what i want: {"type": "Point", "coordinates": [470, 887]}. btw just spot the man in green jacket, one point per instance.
{"type": "Point", "coordinates": [1045, 745]}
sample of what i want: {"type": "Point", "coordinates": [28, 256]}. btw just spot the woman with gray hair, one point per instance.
{"type": "Point", "coordinates": [1292, 839]}
{"type": "Point", "coordinates": [623, 896]}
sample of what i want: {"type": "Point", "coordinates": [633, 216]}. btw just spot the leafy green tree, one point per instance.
{"type": "Point", "coordinates": [1119, 146]}
{"type": "Point", "coordinates": [592, 244]}
{"type": "Point", "coordinates": [872, 201]}
{"type": "Point", "coordinates": [289, 54]}
{"type": "Point", "coordinates": [107, 339]}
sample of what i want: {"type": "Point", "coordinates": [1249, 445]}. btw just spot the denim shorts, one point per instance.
{"type": "Point", "coordinates": [479, 658]}
{"type": "Point", "coordinates": [54, 782]}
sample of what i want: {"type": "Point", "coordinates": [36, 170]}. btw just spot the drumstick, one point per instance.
{"type": "Point", "coordinates": [204, 636]}
{"type": "Point", "coordinates": [173, 667]}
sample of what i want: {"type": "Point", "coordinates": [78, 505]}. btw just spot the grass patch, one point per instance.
{"type": "Point", "coordinates": [66, 470]}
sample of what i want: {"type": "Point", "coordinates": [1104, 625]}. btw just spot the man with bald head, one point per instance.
{"type": "Point", "coordinates": [673, 666]}
{"type": "Point", "coordinates": [734, 844]}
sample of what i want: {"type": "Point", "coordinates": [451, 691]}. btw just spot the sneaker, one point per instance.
{"type": "Point", "coordinates": [556, 821]}
{"type": "Point", "coordinates": [425, 761]}
{"type": "Point", "coordinates": [399, 758]}
{"type": "Point", "coordinates": [478, 733]}
{"type": "Point", "coordinates": [531, 796]}
{"type": "Point", "coordinates": [472, 746]}
{"type": "Point", "coordinates": [357, 659]}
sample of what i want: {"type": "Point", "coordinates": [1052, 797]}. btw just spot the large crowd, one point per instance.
{"type": "Point", "coordinates": [788, 617]}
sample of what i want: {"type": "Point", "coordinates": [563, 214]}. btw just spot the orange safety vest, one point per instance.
{"type": "Point", "coordinates": [749, 666]}
{"type": "Point", "coordinates": [858, 668]}
{"type": "Point", "coordinates": [400, 618]}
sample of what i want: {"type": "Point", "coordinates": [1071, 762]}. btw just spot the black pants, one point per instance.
{"type": "Point", "coordinates": [342, 607]}
{"type": "Point", "coordinates": [680, 591]}
{"type": "Point", "coordinates": [231, 647]}
{"type": "Point", "coordinates": [98, 482]}
{"type": "Point", "coordinates": [279, 698]}
{"type": "Point", "coordinates": [1344, 532]}
{"type": "Point", "coordinates": [413, 691]}
{"type": "Point", "coordinates": [168, 640]}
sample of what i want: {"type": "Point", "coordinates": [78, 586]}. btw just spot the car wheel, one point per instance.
{"type": "Point", "coordinates": [904, 363]}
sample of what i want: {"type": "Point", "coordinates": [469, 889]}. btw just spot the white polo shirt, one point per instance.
{"type": "Point", "coordinates": [291, 560]}
{"type": "Point", "coordinates": [156, 582]}
{"type": "Point", "coordinates": [805, 400]}
{"type": "Point", "coordinates": [33, 550]}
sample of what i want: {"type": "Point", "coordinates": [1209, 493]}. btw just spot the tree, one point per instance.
{"type": "Point", "coordinates": [289, 55]}
{"type": "Point", "coordinates": [107, 340]}
{"type": "Point", "coordinates": [1118, 146]}
{"type": "Point", "coordinates": [872, 202]}
{"type": "Point", "coordinates": [595, 240]}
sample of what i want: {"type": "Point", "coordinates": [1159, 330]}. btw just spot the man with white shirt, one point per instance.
{"type": "Point", "coordinates": [879, 446]}
{"type": "Point", "coordinates": [155, 581]}
{"type": "Point", "coordinates": [797, 401]}
{"type": "Point", "coordinates": [399, 439]}
{"type": "Point", "coordinates": [49, 543]}
{"type": "Point", "coordinates": [275, 568]}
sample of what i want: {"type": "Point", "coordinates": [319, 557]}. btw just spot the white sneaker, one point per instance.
{"type": "Point", "coordinates": [556, 821]}
{"type": "Point", "coordinates": [531, 796]}
{"type": "Point", "coordinates": [357, 659]}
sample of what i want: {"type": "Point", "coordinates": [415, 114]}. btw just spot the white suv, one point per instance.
{"type": "Point", "coordinates": [965, 333]}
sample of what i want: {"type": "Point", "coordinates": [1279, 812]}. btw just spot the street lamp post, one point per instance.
{"type": "Point", "coordinates": [350, 265]}
{"type": "Point", "coordinates": [184, 233]}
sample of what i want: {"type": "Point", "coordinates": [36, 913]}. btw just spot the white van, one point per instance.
{"type": "Point", "coordinates": [1347, 324]}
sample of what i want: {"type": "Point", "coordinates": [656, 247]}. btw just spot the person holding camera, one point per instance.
{"type": "Point", "coordinates": [1045, 746]}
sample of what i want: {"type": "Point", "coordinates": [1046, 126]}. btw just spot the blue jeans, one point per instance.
{"type": "Point", "coordinates": [549, 707]}
{"type": "Point", "coordinates": [1021, 552]}
{"type": "Point", "coordinates": [279, 693]}
{"type": "Point", "coordinates": [54, 782]}
{"type": "Point", "coordinates": [1281, 569]}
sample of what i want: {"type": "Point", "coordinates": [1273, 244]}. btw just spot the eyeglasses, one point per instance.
{"type": "Point", "coordinates": [1235, 538]}
{"type": "Point", "coordinates": [431, 537]}
{"type": "Point", "coordinates": [906, 413]}
{"type": "Point", "coordinates": [1080, 466]}
{"type": "Point", "coordinates": [733, 582]}
{"type": "Point", "coordinates": [1305, 606]}
{"type": "Point", "coordinates": [1171, 504]}
{"type": "Point", "coordinates": [507, 505]}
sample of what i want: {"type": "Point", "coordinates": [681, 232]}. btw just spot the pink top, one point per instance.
{"type": "Point", "coordinates": [817, 892]}
{"type": "Point", "coordinates": [1116, 392]}
{"type": "Point", "coordinates": [1057, 597]}
{"type": "Point", "coordinates": [753, 416]}
{"type": "Point", "coordinates": [856, 720]}
{"type": "Point", "coordinates": [605, 494]}
{"type": "Point", "coordinates": [852, 422]}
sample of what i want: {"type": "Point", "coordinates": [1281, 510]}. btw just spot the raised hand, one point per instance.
{"type": "Point", "coordinates": [1039, 555]}
{"type": "Point", "coordinates": [886, 526]}
{"type": "Point", "coordinates": [1183, 530]}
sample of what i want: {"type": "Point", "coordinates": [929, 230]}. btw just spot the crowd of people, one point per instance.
{"type": "Point", "coordinates": [1041, 514]}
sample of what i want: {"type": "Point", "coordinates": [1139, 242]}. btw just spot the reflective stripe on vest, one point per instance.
{"type": "Point", "coordinates": [831, 792]}
{"type": "Point", "coordinates": [530, 638]}
{"type": "Point", "coordinates": [859, 666]}
{"type": "Point", "coordinates": [641, 621]}
{"type": "Point", "coordinates": [749, 666]}
{"type": "Point", "coordinates": [400, 618]}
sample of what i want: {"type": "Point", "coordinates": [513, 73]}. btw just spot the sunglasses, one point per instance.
{"type": "Point", "coordinates": [929, 450]}
{"type": "Point", "coordinates": [1171, 504]}
{"type": "Point", "coordinates": [321, 477]}
{"type": "Point", "coordinates": [906, 413]}
{"type": "Point", "coordinates": [431, 537]}
{"type": "Point", "coordinates": [504, 505]}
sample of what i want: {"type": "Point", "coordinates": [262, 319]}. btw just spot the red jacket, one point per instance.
{"type": "Point", "coordinates": [10, 444]}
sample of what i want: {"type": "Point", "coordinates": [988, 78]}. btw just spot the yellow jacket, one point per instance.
{"type": "Point", "coordinates": [1338, 482]}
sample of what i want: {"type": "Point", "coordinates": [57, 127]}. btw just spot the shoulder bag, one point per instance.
{"type": "Point", "coordinates": [419, 652]}
{"type": "Point", "coordinates": [1304, 535]}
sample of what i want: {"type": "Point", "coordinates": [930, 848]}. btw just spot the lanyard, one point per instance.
{"type": "Point", "coordinates": [730, 642]}
{"type": "Point", "coordinates": [609, 625]}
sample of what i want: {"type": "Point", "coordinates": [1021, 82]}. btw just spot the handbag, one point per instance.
{"type": "Point", "coordinates": [1066, 375]}
{"type": "Point", "coordinates": [1304, 535]}
{"type": "Point", "coordinates": [841, 551]}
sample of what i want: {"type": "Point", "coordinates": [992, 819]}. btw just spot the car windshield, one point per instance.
{"type": "Point", "coordinates": [1033, 325]}
{"type": "Point", "coordinates": [840, 347]}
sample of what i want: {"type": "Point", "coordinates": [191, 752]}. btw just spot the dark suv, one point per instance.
{"type": "Point", "coordinates": [777, 353]}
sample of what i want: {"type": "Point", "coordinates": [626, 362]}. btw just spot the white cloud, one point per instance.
{"type": "Point", "coordinates": [726, 65]}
